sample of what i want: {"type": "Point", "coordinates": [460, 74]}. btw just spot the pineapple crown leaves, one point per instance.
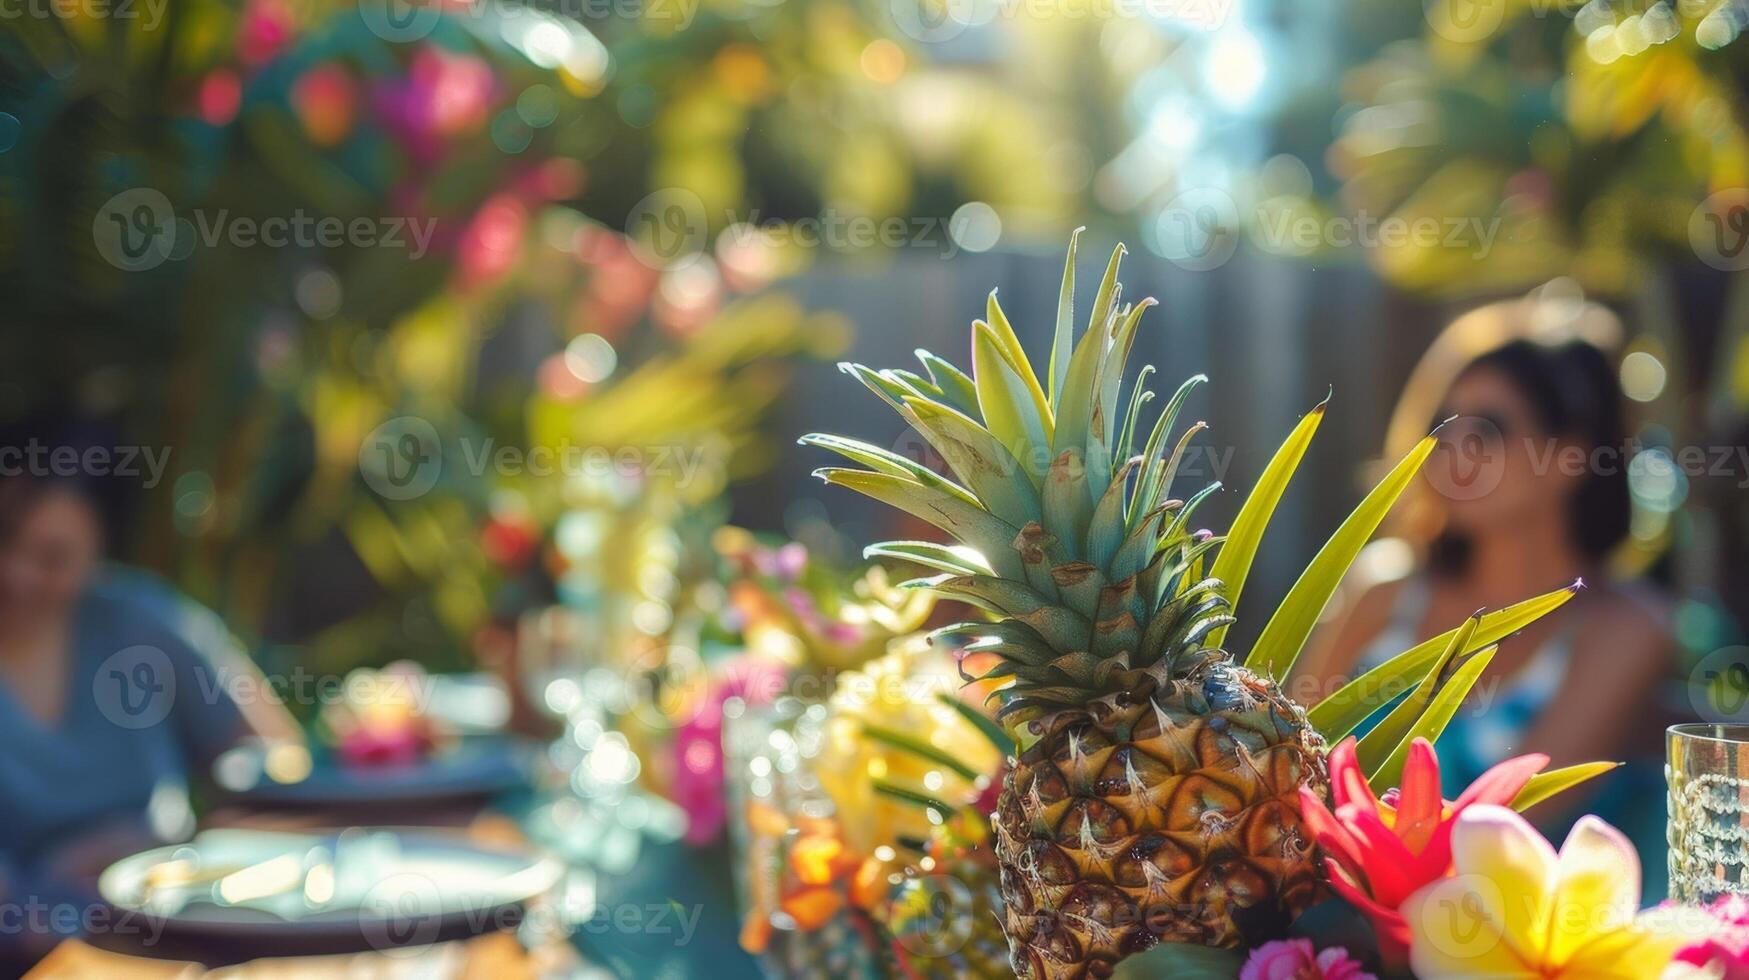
{"type": "Point", "coordinates": [1069, 536]}
{"type": "Point", "coordinates": [1059, 498]}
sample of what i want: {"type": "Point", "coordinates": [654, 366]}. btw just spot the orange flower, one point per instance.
{"type": "Point", "coordinates": [820, 875]}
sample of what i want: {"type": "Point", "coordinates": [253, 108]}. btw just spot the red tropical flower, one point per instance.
{"type": "Point", "coordinates": [1379, 851]}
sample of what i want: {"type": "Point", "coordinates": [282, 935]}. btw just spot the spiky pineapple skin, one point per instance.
{"type": "Point", "coordinates": [1165, 814]}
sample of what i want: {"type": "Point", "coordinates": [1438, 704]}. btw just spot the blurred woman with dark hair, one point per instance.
{"type": "Point", "coordinates": [1527, 493]}
{"type": "Point", "coordinates": [107, 711]}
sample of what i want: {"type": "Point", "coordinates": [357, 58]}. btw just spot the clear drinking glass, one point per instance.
{"type": "Point", "coordinates": [1708, 776]}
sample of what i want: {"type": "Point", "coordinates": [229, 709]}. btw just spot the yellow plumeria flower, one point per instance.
{"type": "Point", "coordinates": [1516, 909]}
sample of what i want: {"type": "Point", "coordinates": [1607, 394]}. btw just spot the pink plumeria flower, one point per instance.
{"type": "Point", "coordinates": [1723, 955]}
{"type": "Point", "coordinates": [1298, 959]}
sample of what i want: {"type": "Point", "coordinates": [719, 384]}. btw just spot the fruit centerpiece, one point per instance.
{"type": "Point", "coordinates": [1158, 787]}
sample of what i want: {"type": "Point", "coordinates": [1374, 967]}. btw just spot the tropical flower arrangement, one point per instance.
{"type": "Point", "coordinates": [1165, 808]}
{"type": "Point", "coordinates": [800, 623]}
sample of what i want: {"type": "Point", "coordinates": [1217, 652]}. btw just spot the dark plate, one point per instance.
{"type": "Point", "coordinates": [240, 894]}
{"type": "Point", "coordinates": [476, 767]}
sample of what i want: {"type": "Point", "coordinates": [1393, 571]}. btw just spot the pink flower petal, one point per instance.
{"type": "Point", "coordinates": [1388, 861]}
{"type": "Point", "coordinates": [1420, 807]}
{"type": "Point", "coordinates": [1501, 783]}
{"type": "Point", "coordinates": [1334, 838]}
{"type": "Point", "coordinates": [1347, 782]}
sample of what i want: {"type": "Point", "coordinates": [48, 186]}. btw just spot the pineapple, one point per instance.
{"type": "Point", "coordinates": [1154, 796]}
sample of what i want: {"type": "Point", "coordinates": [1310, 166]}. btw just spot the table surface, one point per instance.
{"type": "Point", "coordinates": [674, 916]}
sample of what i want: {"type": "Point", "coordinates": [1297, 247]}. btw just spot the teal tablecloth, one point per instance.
{"type": "Point", "coordinates": [649, 940]}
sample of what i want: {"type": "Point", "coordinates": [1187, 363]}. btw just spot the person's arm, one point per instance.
{"type": "Point", "coordinates": [1620, 654]}
{"type": "Point", "coordinates": [264, 714]}
{"type": "Point", "coordinates": [206, 653]}
{"type": "Point", "coordinates": [205, 712]}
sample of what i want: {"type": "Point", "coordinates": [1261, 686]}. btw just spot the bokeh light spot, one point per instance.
{"type": "Point", "coordinates": [510, 133]}
{"type": "Point", "coordinates": [883, 61]}
{"type": "Point", "coordinates": [975, 227]}
{"type": "Point", "coordinates": [590, 357]}
{"type": "Point", "coordinates": [1642, 376]}
{"type": "Point", "coordinates": [318, 293]}
{"type": "Point", "coordinates": [538, 106]}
